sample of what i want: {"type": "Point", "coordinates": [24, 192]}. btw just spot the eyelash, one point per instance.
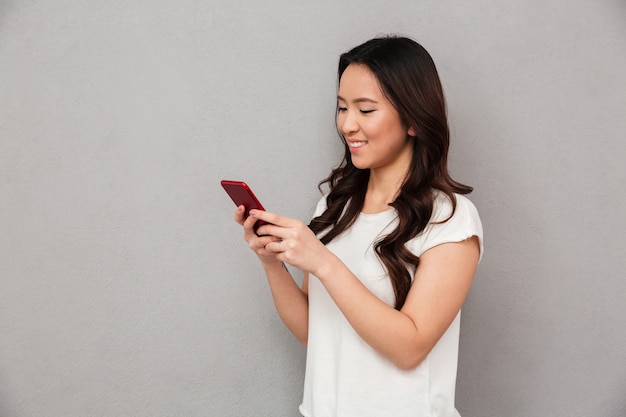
{"type": "Point", "coordinates": [342, 109]}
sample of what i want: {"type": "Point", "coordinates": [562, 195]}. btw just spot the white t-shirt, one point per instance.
{"type": "Point", "coordinates": [345, 377]}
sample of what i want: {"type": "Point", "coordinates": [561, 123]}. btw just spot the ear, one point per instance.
{"type": "Point", "coordinates": [411, 132]}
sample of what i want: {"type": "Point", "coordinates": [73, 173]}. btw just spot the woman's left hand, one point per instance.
{"type": "Point", "coordinates": [298, 246]}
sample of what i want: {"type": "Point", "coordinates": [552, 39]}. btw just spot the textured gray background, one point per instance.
{"type": "Point", "coordinates": [125, 288]}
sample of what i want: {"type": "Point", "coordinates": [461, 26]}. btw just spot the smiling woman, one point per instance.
{"type": "Point", "coordinates": [371, 126]}
{"type": "Point", "coordinates": [390, 254]}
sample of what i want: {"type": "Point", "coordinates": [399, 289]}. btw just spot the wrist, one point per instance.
{"type": "Point", "coordinates": [327, 267]}
{"type": "Point", "coordinates": [271, 265]}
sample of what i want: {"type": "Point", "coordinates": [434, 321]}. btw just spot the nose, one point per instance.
{"type": "Point", "coordinates": [346, 122]}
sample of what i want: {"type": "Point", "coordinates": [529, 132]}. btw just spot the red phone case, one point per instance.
{"type": "Point", "coordinates": [242, 195]}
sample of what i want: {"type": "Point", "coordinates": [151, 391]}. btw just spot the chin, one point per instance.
{"type": "Point", "coordinates": [359, 164]}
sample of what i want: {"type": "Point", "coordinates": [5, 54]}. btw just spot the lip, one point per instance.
{"type": "Point", "coordinates": [356, 145]}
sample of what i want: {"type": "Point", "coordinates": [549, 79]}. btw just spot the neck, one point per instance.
{"type": "Point", "coordinates": [388, 186]}
{"type": "Point", "coordinates": [382, 189]}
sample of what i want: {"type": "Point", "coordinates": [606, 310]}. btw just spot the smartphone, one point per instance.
{"type": "Point", "coordinates": [242, 195]}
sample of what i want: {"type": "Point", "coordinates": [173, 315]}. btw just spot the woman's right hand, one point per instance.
{"type": "Point", "coordinates": [255, 242]}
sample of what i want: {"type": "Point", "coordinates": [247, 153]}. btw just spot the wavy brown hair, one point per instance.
{"type": "Point", "coordinates": [408, 78]}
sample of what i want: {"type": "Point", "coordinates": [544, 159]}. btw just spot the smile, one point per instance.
{"type": "Point", "coordinates": [356, 144]}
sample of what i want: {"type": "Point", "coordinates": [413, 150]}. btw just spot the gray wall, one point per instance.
{"type": "Point", "coordinates": [125, 288]}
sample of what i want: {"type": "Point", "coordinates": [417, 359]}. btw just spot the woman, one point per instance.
{"type": "Point", "coordinates": [390, 254]}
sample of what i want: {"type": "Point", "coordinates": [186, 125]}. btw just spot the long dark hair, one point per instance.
{"type": "Point", "coordinates": [408, 78]}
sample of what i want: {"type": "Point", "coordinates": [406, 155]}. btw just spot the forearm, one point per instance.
{"type": "Point", "coordinates": [389, 331]}
{"type": "Point", "coordinates": [290, 300]}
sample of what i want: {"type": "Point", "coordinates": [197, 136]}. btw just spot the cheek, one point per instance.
{"type": "Point", "coordinates": [380, 127]}
{"type": "Point", "coordinates": [395, 127]}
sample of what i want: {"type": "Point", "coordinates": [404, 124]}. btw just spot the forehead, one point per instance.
{"type": "Point", "coordinates": [359, 81]}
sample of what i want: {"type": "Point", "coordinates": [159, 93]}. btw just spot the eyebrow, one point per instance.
{"type": "Point", "coordinates": [359, 100]}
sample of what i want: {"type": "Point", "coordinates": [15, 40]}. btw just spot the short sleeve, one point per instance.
{"type": "Point", "coordinates": [464, 223]}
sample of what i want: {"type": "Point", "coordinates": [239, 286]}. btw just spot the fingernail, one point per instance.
{"type": "Point", "coordinates": [252, 212]}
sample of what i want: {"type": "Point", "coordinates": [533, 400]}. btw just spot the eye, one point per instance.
{"type": "Point", "coordinates": [341, 109]}
{"type": "Point", "coordinates": [367, 111]}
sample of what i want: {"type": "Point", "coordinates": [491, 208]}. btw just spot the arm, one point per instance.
{"type": "Point", "coordinates": [440, 286]}
{"type": "Point", "coordinates": [291, 302]}
{"type": "Point", "coordinates": [439, 289]}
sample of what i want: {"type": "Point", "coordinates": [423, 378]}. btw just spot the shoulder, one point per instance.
{"type": "Point", "coordinates": [446, 226]}
{"type": "Point", "coordinates": [463, 210]}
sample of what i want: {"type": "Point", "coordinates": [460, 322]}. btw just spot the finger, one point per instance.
{"type": "Point", "coordinates": [275, 245]}
{"type": "Point", "coordinates": [267, 229]}
{"type": "Point", "coordinates": [272, 218]}
{"type": "Point", "coordinates": [240, 215]}
{"type": "Point", "coordinates": [263, 242]}
{"type": "Point", "coordinates": [248, 224]}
